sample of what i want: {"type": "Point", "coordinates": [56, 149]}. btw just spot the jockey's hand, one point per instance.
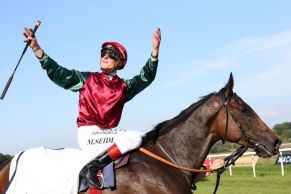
{"type": "Point", "coordinates": [33, 44]}
{"type": "Point", "coordinates": [156, 42]}
{"type": "Point", "coordinates": [217, 164]}
{"type": "Point", "coordinates": [28, 37]}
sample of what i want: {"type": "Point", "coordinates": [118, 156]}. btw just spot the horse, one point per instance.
{"type": "Point", "coordinates": [186, 140]}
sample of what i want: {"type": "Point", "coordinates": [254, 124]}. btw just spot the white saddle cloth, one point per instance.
{"type": "Point", "coordinates": [48, 171]}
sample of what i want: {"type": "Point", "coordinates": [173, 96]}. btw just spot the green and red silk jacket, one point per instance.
{"type": "Point", "coordinates": [101, 98]}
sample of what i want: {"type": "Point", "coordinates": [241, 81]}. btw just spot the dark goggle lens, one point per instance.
{"type": "Point", "coordinates": [112, 55]}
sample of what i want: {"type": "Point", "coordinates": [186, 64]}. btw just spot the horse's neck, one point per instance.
{"type": "Point", "coordinates": [190, 141]}
{"type": "Point", "coordinates": [184, 149]}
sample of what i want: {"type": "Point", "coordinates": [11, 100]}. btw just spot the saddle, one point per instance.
{"type": "Point", "coordinates": [122, 161]}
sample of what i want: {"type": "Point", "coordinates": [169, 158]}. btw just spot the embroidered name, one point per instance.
{"type": "Point", "coordinates": [106, 132]}
{"type": "Point", "coordinates": [100, 141]}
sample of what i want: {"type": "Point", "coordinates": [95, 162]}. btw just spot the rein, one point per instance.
{"type": "Point", "coordinates": [229, 160]}
{"type": "Point", "coordinates": [143, 150]}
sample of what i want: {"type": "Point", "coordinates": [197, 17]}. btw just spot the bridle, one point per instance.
{"type": "Point", "coordinates": [226, 106]}
{"type": "Point", "coordinates": [249, 141]}
{"type": "Point", "coordinates": [230, 160]}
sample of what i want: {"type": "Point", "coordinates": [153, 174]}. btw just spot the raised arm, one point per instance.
{"type": "Point", "coordinates": [68, 79]}
{"type": "Point", "coordinates": [148, 72]}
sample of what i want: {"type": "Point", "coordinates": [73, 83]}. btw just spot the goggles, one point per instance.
{"type": "Point", "coordinates": [112, 54]}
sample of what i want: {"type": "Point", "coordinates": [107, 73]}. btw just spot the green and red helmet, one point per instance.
{"type": "Point", "coordinates": [120, 49]}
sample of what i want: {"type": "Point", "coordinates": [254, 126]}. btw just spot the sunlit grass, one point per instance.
{"type": "Point", "coordinates": [268, 180]}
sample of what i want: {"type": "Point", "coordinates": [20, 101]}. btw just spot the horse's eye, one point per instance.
{"type": "Point", "coordinates": [244, 110]}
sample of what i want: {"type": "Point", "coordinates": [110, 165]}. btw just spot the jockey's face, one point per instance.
{"type": "Point", "coordinates": [109, 60]}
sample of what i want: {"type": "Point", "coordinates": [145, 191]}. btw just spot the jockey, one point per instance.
{"type": "Point", "coordinates": [102, 96]}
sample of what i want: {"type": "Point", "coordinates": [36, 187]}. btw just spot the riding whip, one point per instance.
{"type": "Point", "coordinates": [37, 24]}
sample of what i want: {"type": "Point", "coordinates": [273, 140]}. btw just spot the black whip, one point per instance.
{"type": "Point", "coordinates": [37, 24]}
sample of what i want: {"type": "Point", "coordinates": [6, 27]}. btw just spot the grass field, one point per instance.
{"type": "Point", "coordinates": [268, 180]}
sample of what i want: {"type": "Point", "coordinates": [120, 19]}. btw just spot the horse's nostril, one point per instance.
{"type": "Point", "coordinates": [277, 143]}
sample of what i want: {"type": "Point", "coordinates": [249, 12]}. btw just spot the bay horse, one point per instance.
{"type": "Point", "coordinates": [186, 140]}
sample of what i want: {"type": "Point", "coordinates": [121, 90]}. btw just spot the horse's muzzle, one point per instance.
{"type": "Point", "coordinates": [265, 152]}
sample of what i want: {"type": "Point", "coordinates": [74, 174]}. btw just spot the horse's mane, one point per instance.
{"type": "Point", "coordinates": [162, 127]}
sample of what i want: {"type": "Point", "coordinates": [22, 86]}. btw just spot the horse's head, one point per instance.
{"type": "Point", "coordinates": [237, 122]}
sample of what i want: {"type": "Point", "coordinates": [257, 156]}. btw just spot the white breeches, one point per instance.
{"type": "Point", "coordinates": [93, 138]}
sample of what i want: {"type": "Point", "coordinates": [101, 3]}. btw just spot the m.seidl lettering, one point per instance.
{"type": "Point", "coordinates": [100, 140]}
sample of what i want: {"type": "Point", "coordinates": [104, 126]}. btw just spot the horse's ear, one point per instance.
{"type": "Point", "coordinates": [229, 86]}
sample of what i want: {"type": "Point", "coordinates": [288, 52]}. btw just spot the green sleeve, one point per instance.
{"type": "Point", "coordinates": [67, 79]}
{"type": "Point", "coordinates": [141, 81]}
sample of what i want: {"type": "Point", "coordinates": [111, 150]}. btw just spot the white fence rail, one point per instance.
{"type": "Point", "coordinates": [211, 156]}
